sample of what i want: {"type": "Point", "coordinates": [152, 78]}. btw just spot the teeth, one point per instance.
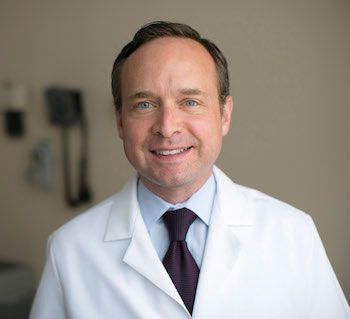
{"type": "Point", "coordinates": [171, 152]}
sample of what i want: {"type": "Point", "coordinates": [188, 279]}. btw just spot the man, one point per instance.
{"type": "Point", "coordinates": [182, 240]}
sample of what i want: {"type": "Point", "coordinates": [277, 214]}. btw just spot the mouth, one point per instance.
{"type": "Point", "coordinates": [168, 152]}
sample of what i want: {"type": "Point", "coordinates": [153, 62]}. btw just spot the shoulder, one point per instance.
{"type": "Point", "coordinates": [88, 225]}
{"type": "Point", "coordinates": [110, 219]}
{"type": "Point", "coordinates": [269, 208]}
{"type": "Point", "coordinates": [265, 208]}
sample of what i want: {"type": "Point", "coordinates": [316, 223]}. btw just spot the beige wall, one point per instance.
{"type": "Point", "coordinates": [289, 63]}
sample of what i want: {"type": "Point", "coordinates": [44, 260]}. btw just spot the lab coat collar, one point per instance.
{"type": "Point", "coordinates": [231, 202]}
{"type": "Point", "coordinates": [123, 213]}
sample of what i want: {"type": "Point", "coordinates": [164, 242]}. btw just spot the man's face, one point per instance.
{"type": "Point", "coordinates": [170, 120]}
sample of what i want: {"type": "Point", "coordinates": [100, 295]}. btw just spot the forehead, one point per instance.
{"type": "Point", "coordinates": [174, 46]}
{"type": "Point", "coordinates": [167, 60]}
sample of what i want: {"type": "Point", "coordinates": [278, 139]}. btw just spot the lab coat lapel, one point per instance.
{"type": "Point", "coordinates": [126, 223]}
{"type": "Point", "coordinates": [141, 256]}
{"type": "Point", "coordinates": [231, 216]}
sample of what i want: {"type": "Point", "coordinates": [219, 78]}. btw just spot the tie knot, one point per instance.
{"type": "Point", "coordinates": [177, 222]}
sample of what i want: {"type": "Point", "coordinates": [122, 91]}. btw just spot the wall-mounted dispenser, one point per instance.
{"type": "Point", "coordinates": [66, 109]}
{"type": "Point", "coordinates": [41, 169]}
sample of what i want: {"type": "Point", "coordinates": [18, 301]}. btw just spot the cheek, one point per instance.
{"type": "Point", "coordinates": [134, 132]}
{"type": "Point", "coordinates": [209, 133]}
{"type": "Point", "coordinates": [209, 127]}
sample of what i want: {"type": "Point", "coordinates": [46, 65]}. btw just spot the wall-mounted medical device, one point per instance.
{"type": "Point", "coordinates": [65, 109]}
{"type": "Point", "coordinates": [13, 104]}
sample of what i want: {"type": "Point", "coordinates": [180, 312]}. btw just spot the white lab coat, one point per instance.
{"type": "Point", "coordinates": [263, 260]}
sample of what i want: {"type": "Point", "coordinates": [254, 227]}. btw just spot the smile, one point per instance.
{"type": "Point", "coordinates": [171, 152]}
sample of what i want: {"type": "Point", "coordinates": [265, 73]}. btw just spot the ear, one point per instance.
{"type": "Point", "coordinates": [118, 118]}
{"type": "Point", "coordinates": [226, 115]}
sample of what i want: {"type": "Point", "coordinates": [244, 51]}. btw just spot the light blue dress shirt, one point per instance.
{"type": "Point", "coordinates": [153, 207]}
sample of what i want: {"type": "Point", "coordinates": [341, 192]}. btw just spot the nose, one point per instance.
{"type": "Point", "coordinates": [167, 122]}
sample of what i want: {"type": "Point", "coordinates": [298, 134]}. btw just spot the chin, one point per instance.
{"type": "Point", "coordinates": [170, 181]}
{"type": "Point", "coordinates": [177, 180]}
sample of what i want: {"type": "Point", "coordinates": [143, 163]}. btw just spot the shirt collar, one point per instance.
{"type": "Point", "coordinates": [153, 207]}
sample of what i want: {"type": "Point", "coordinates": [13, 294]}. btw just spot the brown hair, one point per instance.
{"type": "Point", "coordinates": [159, 29]}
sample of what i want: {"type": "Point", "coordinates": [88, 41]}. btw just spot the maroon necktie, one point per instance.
{"type": "Point", "coordinates": [178, 260]}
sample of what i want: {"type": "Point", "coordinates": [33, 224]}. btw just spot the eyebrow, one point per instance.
{"type": "Point", "coordinates": [150, 94]}
{"type": "Point", "coordinates": [189, 91]}
{"type": "Point", "coordinates": [142, 95]}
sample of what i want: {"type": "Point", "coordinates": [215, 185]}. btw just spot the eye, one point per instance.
{"type": "Point", "coordinates": [190, 103]}
{"type": "Point", "coordinates": [143, 105]}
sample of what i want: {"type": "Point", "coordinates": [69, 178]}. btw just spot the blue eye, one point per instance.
{"type": "Point", "coordinates": [144, 105]}
{"type": "Point", "coordinates": [191, 103]}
